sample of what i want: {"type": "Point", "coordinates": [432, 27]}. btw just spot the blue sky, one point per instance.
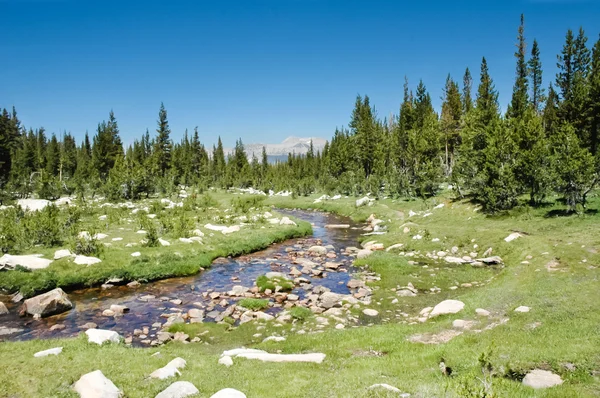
{"type": "Point", "coordinates": [259, 70]}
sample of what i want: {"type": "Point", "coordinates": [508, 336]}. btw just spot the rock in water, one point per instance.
{"type": "Point", "coordinates": [179, 389]}
{"type": "Point", "coordinates": [447, 307]}
{"type": "Point", "coordinates": [228, 393]}
{"type": "Point", "coordinates": [50, 303]}
{"type": "Point", "coordinates": [96, 385]}
{"type": "Point", "coordinates": [538, 378]}
{"type": "Point", "coordinates": [3, 309]}
{"type": "Point", "coordinates": [51, 351]}
{"type": "Point", "coordinates": [99, 336]}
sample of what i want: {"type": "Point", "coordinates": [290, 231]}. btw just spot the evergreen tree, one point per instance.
{"type": "Point", "coordinates": [550, 115]}
{"type": "Point", "coordinates": [520, 99]}
{"type": "Point", "coordinates": [593, 103]}
{"type": "Point", "coordinates": [53, 157]}
{"type": "Point", "coordinates": [68, 157]}
{"type": "Point", "coordinates": [487, 97]}
{"type": "Point", "coordinates": [450, 120]}
{"type": "Point", "coordinates": [467, 90]}
{"type": "Point", "coordinates": [163, 145]}
{"type": "Point", "coordinates": [535, 74]}
{"type": "Point", "coordinates": [218, 163]}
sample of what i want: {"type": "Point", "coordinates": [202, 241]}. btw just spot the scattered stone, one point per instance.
{"type": "Point", "coordinates": [31, 261]}
{"type": "Point", "coordinates": [85, 260]}
{"type": "Point", "coordinates": [482, 312]}
{"type": "Point", "coordinates": [364, 253]}
{"type": "Point", "coordinates": [164, 242]}
{"type": "Point", "coordinates": [438, 338]}
{"type": "Point", "coordinates": [50, 303]}
{"type": "Point", "coordinates": [522, 308]}
{"type": "Point", "coordinates": [447, 307]}
{"type": "Point", "coordinates": [226, 360]}
{"type": "Point", "coordinates": [512, 237]}
{"type": "Point", "coordinates": [5, 331]}
{"type": "Point", "coordinates": [61, 254]}
{"type": "Point", "coordinates": [286, 221]}
{"type": "Point", "coordinates": [317, 250]}
{"type": "Point", "coordinates": [538, 378]}
{"type": "Point", "coordinates": [51, 351]}
{"type": "Point", "coordinates": [267, 357]}
{"type": "Point", "coordinates": [232, 229]}
{"type": "Point", "coordinates": [169, 370]}
{"type": "Point", "coordinates": [99, 336]}
{"type": "Point", "coordinates": [387, 387]}
{"type": "Point", "coordinates": [228, 393]}
{"type": "Point", "coordinates": [3, 309]}
{"type": "Point", "coordinates": [370, 312]}
{"type": "Point", "coordinates": [96, 385]}
{"type": "Point", "coordinates": [179, 389]}
{"type": "Point", "coordinates": [58, 326]}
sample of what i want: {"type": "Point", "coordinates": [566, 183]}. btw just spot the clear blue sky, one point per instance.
{"type": "Point", "coordinates": [260, 70]}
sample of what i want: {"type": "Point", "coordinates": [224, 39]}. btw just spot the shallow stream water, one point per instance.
{"type": "Point", "coordinates": [221, 277]}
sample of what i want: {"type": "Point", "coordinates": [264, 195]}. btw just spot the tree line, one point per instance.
{"type": "Point", "coordinates": [545, 143]}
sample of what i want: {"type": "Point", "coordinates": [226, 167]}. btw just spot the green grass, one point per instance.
{"type": "Point", "coordinates": [253, 304]}
{"type": "Point", "coordinates": [564, 310]}
{"type": "Point", "coordinates": [272, 284]}
{"type": "Point", "coordinates": [301, 313]}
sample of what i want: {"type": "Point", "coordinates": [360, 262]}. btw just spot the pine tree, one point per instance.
{"type": "Point", "coordinates": [218, 163]}
{"type": "Point", "coordinates": [467, 90]}
{"type": "Point", "coordinates": [53, 157]}
{"type": "Point", "coordinates": [535, 74]}
{"type": "Point", "coordinates": [450, 120]}
{"type": "Point", "coordinates": [163, 145]}
{"type": "Point", "coordinates": [593, 102]}
{"type": "Point", "coordinates": [520, 99]}
{"type": "Point", "coordinates": [550, 115]}
{"type": "Point", "coordinates": [487, 97]}
{"type": "Point", "coordinates": [68, 157]}
{"type": "Point", "coordinates": [564, 78]}
{"type": "Point", "coordinates": [9, 138]}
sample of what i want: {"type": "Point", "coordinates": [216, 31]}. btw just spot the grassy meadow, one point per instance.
{"type": "Point", "coordinates": [552, 268]}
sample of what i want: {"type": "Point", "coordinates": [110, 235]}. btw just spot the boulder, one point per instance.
{"type": "Point", "coordinates": [3, 309]}
{"type": "Point", "coordinates": [329, 299]}
{"type": "Point", "coordinates": [33, 204]}
{"type": "Point", "coordinates": [198, 233]}
{"type": "Point", "coordinates": [266, 357]}
{"type": "Point", "coordinates": [51, 351]}
{"type": "Point", "coordinates": [96, 385]}
{"type": "Point", "coordinates": [164, 242]}
{"type": "Point", "coordinates": [538, 378]}
{"type": "Point", "coordinates": [522, 308]}
{"type": "Point", "coordinates": [61, 254]}
{"type": "Point", "coordinates": [482, 312]}
{"type": "Point", "coordinates": [119, 309]}
{"type": "Point", "coordinates": [99, 336]}
{"type": "Point", "coordinates": [363, 201]}
{"type": "Point", "coordinates": [447, 307]}
{"type": "Point", "coordinates": [136, 254]}
{"type": "Point", "coordinates": [169, 370]}
{"type": "Point", "coordinates": [85, 260]}
{"type": "Point", "coordinates": [186, 240]}
{"type": "Point", "coordinates": [32, 261]}
{"type": "Point", "coordinates": [179, 389]}
{"type": "Point", "coordinates": [50, 303]}
{"type": "Point", "coordinates": [228, 393]}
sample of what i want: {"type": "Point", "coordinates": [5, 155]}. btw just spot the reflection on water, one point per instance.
{"type": "Point", "coordinates": [89, 303]}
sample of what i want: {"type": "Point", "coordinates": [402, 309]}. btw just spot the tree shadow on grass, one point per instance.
{"type": "Point", "coordinates": [567, 213]}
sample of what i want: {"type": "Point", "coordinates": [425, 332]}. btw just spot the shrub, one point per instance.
{"type": "Point", "coordinates": [300, 313]}
{"type": "Point", "coordinates": [44, 227]}
{"type": "Point", "coordinates": [242, 204]}
{"type": "Point", "coordinates": [253, 304]}
{"type": "Point", "coordinates": [151, 233]}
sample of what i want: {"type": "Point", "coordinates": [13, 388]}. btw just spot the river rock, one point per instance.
{"type": "Point", "coordinates": [3, 309]}
{"type": "Point", "coordinates": [96, 385]}
{"type": "Point", "coordinates": [228, 393]}
{"type": "Point", "coordinates": [99, 336]}
{"type": "Point", "coordinates": [119, 309]}
{"type": "Point", "coordinates": [317, 250]}
{"type": "Point", "coordinates": [447, 307]}
{"type": "Point", "coordinates": [85, 260]}
{"type": "Point", "coordinates": [50, 303]}
{"type": "Point", "coordinates": [5, 331]}
{"type": "Point", "coordinates": [179, 389]}
{"type": "Point", "coordinates": [538, 378]}
{"type": "Point", "coordinates": [31, 261]}
{"type": "Point", "coordinates": [364, 253]}
{"type": "Point", "coordinates": [329, 299]}
{"type": "Point", "coordinates": [51, 351]}
{"type": "Point", "coordinates": [169, 370]}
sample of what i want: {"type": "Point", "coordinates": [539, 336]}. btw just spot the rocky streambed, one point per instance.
{"type": "Point", "coordinates": [319, 269]}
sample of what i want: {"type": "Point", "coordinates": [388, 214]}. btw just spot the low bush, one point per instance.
{"type": "Point", "coordinates": [300, 313]}
{"type": "Point", "coordinates": [253, 304]}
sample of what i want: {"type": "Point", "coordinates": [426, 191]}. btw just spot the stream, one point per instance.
{"type": "Point", "coordinates": [221, 277]}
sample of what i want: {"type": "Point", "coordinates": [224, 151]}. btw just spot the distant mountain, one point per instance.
{"type": "Point", "coordinates": [296, 145]}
